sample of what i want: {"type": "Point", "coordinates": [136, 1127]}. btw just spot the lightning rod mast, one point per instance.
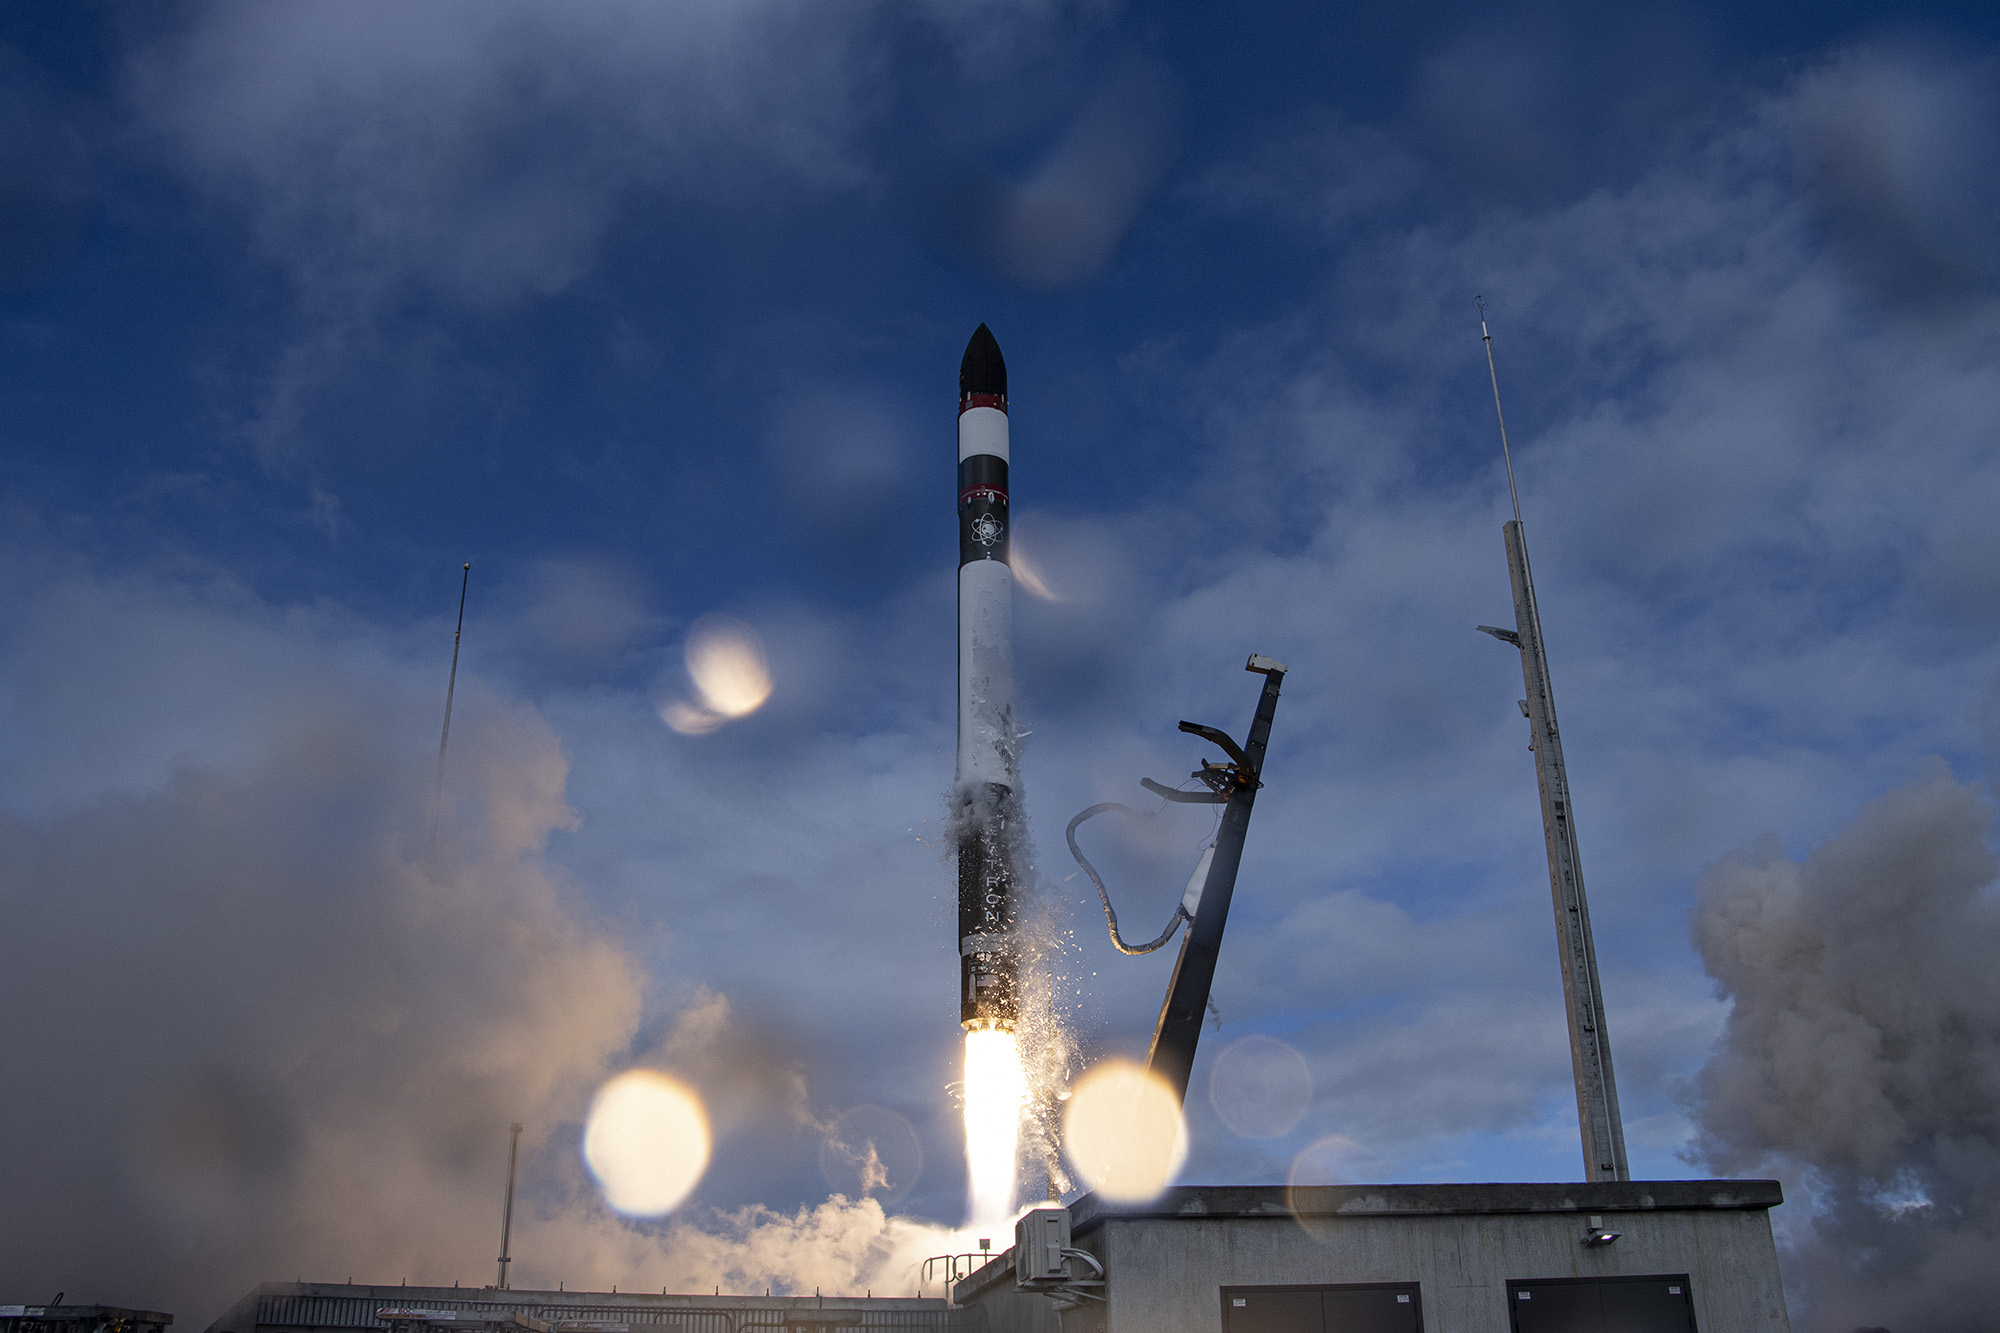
{"type": "Point", "coordinates": [1598, 1121]}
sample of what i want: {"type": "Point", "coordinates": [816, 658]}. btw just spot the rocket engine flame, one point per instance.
{"type": "Point", "coordinates": [995, 1094]}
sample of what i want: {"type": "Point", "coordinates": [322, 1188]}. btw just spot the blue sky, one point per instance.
{"type": "Point", "coordinates": [653, 313]}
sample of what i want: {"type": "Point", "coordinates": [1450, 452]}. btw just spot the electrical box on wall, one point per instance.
{"type": "Point", "coordinates": [1040, 1238]}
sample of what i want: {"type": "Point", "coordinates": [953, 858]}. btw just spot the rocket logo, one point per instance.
{"type": "Point", "coordinates": [986, 529]}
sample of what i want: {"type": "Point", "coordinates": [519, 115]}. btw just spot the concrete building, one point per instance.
{"type": "Point", "coordinates": [1672, 1256]}
{"type": "Point", "coordinates": [331, 1307]}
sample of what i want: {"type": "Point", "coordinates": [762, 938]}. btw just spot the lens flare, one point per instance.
{"type": "Point", "coordinates": [646, 1141]}
{"type": "Point", "coordinates": [1328, 1161]}
{"type": "Point", "coordinates": [871, 1150]}
{"type": "Point", "coordinates": [731, 679]}
{"type": "Point", "coordinates": [725, 660]}
{"type": "Point", "coordinates": [995, 1090]}
{"type": "Point", "coordinates": [1123, 1132]}
{"type": "Point", "coordinates": [689, 720]}
{"type": "Point", "coordinates": [1324, 1162]}
{"type": "Point", "coordinates": [1260, 1086]}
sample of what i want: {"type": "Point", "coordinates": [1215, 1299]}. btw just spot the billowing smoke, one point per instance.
{"type": "Point", "coordinates": [258, 1027]}
{"type": "Point", "coordinates": [1861, 1061]}
{"type": "Point", "coordinates": [842, 1245]}
{"type": "Point", "coordinates": [257, 1030]}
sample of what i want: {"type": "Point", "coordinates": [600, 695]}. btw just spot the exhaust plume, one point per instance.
{"type": "Point", "coordinates": [259, 1029]}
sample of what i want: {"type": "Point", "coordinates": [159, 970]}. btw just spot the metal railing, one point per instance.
{"type": "Point", "coordinates": [952, 1269]}
{"type": "Point", "coordinates": [348, 1312]}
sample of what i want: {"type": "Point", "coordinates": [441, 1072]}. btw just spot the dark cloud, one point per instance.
{"type": "Point", "coordinates": [480, 151]}
{"type": "Point", "coordinates": [474, 157]}
{"type": "Point", "coordinates": [1529, 108]}
{"type": "Point", "coordinates": [1063, 222]}
{"type": "Point", "coordinates": [1895, 147]}
{"type": "Point", "coordinates": [1060, 222]}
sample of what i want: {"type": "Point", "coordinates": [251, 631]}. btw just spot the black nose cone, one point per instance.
{"type": "Point", "coordinates": [983, 370]}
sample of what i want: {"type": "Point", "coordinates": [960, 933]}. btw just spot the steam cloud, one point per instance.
{"type": "Point", "coordinates": [259, 1033]}
{"type": "Point", "coordinates": [1862, 1059]}
{"type": "Point", "coordinates": [257, 1028]}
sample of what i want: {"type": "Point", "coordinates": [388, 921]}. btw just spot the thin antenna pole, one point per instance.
{"type": "Point", "coordinates": [450, 689]}
{"type": "Point", "coordinates": [1494, 375]}
{"type": "Point", "coordinates": [507, 1217]}
{"type": "Point", "coordinates": [1600, 1124]}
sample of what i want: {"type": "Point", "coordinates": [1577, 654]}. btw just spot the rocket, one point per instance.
{"type": "Point", "coordinates": [986, 793]}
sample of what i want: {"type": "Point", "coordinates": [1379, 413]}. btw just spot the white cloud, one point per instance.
{"type": "Point", "coordinates": [480, 150]}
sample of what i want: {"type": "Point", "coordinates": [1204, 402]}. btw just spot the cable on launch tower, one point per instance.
{"type": "Point", "coordinates": [1110, 915]}
{"type": "Point", "coordinates": [1205, 904]}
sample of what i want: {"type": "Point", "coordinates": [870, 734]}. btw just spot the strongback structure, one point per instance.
{"type": "Point", "coordinates": [1234, 786]}
{"type": "Point", "coordinates": [1205, 904]}
{"type": "Point", "coordinates": [1598, 1120]}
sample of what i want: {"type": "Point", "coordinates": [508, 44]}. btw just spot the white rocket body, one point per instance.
{"type": "Point", "coordinates": [986, 736]}
{"type": "Point", "coordinates": [985, 796]}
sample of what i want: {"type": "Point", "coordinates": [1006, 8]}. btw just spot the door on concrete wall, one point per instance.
{"type": "Point", "coordinates": [1376, 1307]}
{"type": "Point", "coordinates": [1602, 1305]}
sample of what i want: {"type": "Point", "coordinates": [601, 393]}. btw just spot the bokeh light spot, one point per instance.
{"type": "Point", "coordinates": [1124, 1133]}
{"type": "Point", "coordinates": [1327, 1161]}
{"type": "Point", "coordinates": [646, 1141]}
{"type": "Point", "coordinates": [725, 659]}
{"type": "Point", "coordinates": [688, 719]}
{"type": "Point", "coordinates": [871, 1151]}
{"type": "Point", "coordinates": [1260, 1086]}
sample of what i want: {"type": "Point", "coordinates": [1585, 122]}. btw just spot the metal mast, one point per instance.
{"type": "Point", "coordinates": [1598, 1121]}
{"type": "Point", "coordinates": [450, 689]}
{"type": "Point", "coordinates": [507, 1216]}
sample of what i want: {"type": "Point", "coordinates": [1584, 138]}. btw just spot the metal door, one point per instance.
{"type": "Point", "coordinates": [1658, 1304]}
{"type": "Point", "coordinates": [1271, 1310]}
{"type": "Point", "coordinates": [1372, 1309]}
{"type": "Point", "coordinates": [1348, 1308]}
